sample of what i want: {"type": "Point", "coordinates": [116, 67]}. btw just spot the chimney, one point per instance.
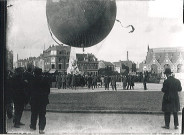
{"type": "Point", "coordinates": [127, 56]}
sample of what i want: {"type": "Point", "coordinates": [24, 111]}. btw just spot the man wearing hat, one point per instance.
{"type": "Point", "coordinates": [39, 92]}
{"type": "Point", "coordinates": [170, 102]}
{"type": "Point", "coordinates": [19, 95]}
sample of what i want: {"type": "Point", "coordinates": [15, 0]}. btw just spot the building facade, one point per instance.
{"type": "Point", "coordinates": [158, 59]}
{"type": "Point", "coordinates": [106, 65]}
{"type": "Point", "coordinates": [56, 58]}
{"type": "Point", "coordinates": [9, 60]}
{"type": "Point", "coordinates": [87, 64]}
{"type": "Point", "coordinates": [120, 66]}
{"type": "Point", "coordinates": [26, 63]}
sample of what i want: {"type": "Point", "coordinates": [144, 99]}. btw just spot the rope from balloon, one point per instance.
{"type": "Point", "coordinates": [126, 26]}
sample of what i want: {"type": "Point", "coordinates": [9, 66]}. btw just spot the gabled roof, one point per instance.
{"type": "Point", "coordinates": [160, 54]}
{"type": "Point", "coordinates": [106, 63]}
{"type": "Point", "coordinates": [84, 57]}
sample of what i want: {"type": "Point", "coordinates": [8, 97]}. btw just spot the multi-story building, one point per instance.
{"type": "Point", "coordinates": [9, 60]}
{"type": "Point", "coordinates": [56, 57]}
{"type": "Point", "coordinates": [106, 65]}
{"type": "Point", "coordinates": [158, 59]}
{"type": "Point", "coordinates": [26, 63]}
{"type": "Point", "coordinates": [121, 66]}
{"type": "Point", "coordinates": [39, 62]}
{"type": "Point", "coordinates": [87, 64]}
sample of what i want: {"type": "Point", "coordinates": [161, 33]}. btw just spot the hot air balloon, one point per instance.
{"type": "Point", "coordinates": [80, 23]}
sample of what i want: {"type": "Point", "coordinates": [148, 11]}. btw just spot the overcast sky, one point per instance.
{"type": "Point", "coordinates": [157, 23]}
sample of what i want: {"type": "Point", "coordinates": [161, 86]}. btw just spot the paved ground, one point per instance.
{"type": "Point", "coordinates": [137, 87]}
{"type": "Point", "coordinates": [79, 123]}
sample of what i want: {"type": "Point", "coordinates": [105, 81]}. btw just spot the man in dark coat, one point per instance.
{"type": "Point", "coordinates": [18, 95]}
{"type": "Point", "coordinates": [59, 81]}
{"type": "Point", "coordinates": [39, 92]}
{"type": "Point", "coordinates": [170, 102]}
{"type": "Point", "coordinates": [113, 82]}
{"type": "Point", "coordinates": [63, 81]}
{"type": "Point", "coordinates": [94, 81]}
{"type": "Point", "coordinates": [90, 81]}
{"type": "Point", "coordinates": [106, 82]}
{"type": "Point", "coordinates": [8, 95]}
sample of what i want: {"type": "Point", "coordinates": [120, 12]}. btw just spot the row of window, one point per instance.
{"type": "Point", "coordinates": [60, 66]}
{"type": "Point", "coordinates": [63, 52]}
{"type": "Point", "coordinates": [87, 66]}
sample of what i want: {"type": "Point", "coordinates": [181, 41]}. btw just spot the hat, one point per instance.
{"type": "Point", "coordinates": [37, 71]}
{"type": "Point", "coordinates": [19, 70]}
{"type": "Point", "coordinates": [167, 71]}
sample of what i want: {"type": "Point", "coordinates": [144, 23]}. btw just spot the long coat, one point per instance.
{"type": "Point", "coordinates": [39, 91]}
{"type": "Point", "coordinates": [18, 90]}
{"type": "Point", "coordinates": [171, 86]}
{"type": "Point", "coordinates": [113, 80]}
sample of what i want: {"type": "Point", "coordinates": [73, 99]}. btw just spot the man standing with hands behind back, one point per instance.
{"type": "Point", "coordinates": [170, 102]}
{"type": "Point", "coordinates": [39, 92]}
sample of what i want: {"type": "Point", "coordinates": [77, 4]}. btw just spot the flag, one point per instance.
{"type": "Point", "coordinates": [73, 68]}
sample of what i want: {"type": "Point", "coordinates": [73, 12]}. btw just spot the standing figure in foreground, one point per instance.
{"type": "Point", "coordinates": [170, 102]}
{"type": "Point", "coordinates": [39, 92]}
{"type": "Point", "coordinates": [19, 96]}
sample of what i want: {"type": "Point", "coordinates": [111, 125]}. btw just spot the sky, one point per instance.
{"type": "Point", "coordinates": [158, 23]}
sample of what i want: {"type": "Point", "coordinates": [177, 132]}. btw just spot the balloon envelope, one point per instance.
{"type": "Point", "coordinates": [80, 23]}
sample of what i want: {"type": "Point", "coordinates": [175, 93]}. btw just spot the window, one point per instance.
{"type": "Point", "coordinates": [53, 52]}
{"type": "Point", "coordinates": [60, 59]}
{"type": "Point", "coordinates": [59, 66]}
{"type": "Point", "coordinates": [53, 66]}
{"type": "Point", "coordinates": [63, 52]}
{"type": "Point", "coordinates": [53, 59]}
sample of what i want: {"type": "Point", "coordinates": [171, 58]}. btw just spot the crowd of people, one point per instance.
{"type": "Point", "coordinates": [33, 87]}
{"type": "Point", "coordinates": [70, 81]}
{"type": "Point", "coordinates": [23, 87]}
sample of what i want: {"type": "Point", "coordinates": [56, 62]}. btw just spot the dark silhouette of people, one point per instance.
{"type": "Point", "coordinates": [19, 96]}
{"type": "Point", "coordinates": [39, 92]}
{"type": "Point", "coordinates": [170, 102]}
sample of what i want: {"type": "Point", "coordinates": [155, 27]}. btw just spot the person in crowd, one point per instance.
{"type": "Point", "coordinates": [39, 92]}
{"type": "Point", "coordinates": [73, 83]}
{"type": "Point", "coordinates": [8, 95]}
{"type": "Point", "coordinates": [19, 96]}
{"type": "Point", "coordinates": [102, 81]}
{"type": "Point", "coordinates": [145, 81]}
{"type": "Point", "coordinates": [82, 80]}
{"type": "Point", "coordinates": [64, 81]}
{"type": "Point", "coordinates": [68, 81]}
{"type": "Point", "coordinates": [106, 82]}
{"type": "Point", "coordinates": [132, 82]}
{"type": "Point", "coordinates": [28, 76]}
{"type": "Point", "coordinates": [94, 81]}
{"type": "Point", "coordinates": [128, 81]}
{"type": "Point", "coordinates": [170, 101]}
{"type": "Point", "coordinates": [59, 81]}
{"type": "Point", "coordinates": [124, 82]}
{"type": "Point", "coordinates": [86, 80]}
{"type": "Point", "coordinates": [113, 82]}
{"type": "Point", "coordinates": [90, 82]}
